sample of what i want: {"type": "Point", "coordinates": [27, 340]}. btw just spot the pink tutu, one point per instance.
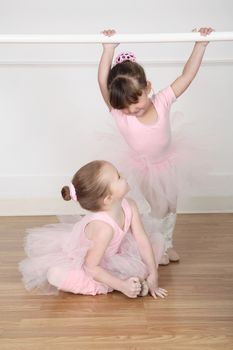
{"type": "Point", "coordinates": [64, 246]}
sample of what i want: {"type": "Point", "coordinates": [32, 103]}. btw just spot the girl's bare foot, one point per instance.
{"type": "Point", "coordinates": [164, 260]}
{"type": "Point", "coordinates": [172, 254]}
{"type": "Point", "coordinates": [144, 289]}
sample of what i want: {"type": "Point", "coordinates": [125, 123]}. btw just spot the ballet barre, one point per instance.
{"type": "Point", "coordinates": [117, 38]}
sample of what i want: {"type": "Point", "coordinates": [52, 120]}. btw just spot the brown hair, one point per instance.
{"type": "Point", "coordinates": [90, 188]}
{"type": "Point", "coordinates": [125, 83]}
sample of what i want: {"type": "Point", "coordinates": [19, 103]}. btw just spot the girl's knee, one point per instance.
{"type": "Point", "coordinates": [55, 276]}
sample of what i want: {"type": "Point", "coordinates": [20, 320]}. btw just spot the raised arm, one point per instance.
{"type": "Point", "coordinates": [101, 235]}
{"type": "Point", "coordinates": [146, 252]}
{"type": "Point", "coordinates": [105, 66]}
{"type": "Point", "coordinates": [192, 65]}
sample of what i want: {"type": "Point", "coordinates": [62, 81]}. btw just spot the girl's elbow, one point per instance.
{"type": "Point", "coordinates": [91, 270]}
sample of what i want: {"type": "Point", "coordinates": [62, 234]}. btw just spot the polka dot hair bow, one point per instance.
{"type": "Point", "coordinates": [125, 56]}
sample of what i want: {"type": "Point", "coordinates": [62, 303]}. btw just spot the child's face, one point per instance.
{"type": "Point", "coordinates": [140, 108]}
{"type": "Point", "coordinates": [117, 183]}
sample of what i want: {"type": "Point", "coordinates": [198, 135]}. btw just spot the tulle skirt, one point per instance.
{"type": "Point", "coordinates": [181, 171]}
{"type": "Point", "coordinates": [64, 247]}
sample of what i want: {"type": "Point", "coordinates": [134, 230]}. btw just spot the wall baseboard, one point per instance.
{"type": "Point", "coordinates": [206, 204]}
{"type": "Point", "coordinates": [38, 206]}
{"type": "Point", "coordinates": [53, 206]}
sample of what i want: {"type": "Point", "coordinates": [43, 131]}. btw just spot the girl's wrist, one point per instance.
{"type": "Point", "coordinates": [153, 279]}
{"type": "Point", "coordinates": [201, 44]}
{"type": "Point", "coordinates": [109, 48]}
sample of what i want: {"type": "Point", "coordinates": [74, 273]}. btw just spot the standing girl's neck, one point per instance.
{"type": "Point", "coordinates": [150, 117]}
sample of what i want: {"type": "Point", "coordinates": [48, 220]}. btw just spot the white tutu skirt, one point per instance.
{"type": "Point", "coordinates": [64, 246]}
{"type": "Point", "coordinates": [181, 171]}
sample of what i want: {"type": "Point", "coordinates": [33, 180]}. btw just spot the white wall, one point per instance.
{"type": "Point", "coordinates": [50, 104]}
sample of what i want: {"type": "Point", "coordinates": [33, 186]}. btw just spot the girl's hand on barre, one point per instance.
{"type": "Point", "coordinates": [204, 32]}
{"type": "Point", "coordinates": [109, 32]}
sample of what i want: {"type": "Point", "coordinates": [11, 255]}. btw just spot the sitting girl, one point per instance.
{"type": "Point", "coordinates": [108, 249]}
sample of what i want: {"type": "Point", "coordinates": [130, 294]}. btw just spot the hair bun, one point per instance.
{"type": "Point", "coordinates": [65, 192]}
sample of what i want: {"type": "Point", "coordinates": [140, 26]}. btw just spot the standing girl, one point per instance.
{"type": "Point", "coordinates": [144, 124]}
{"type": "Point", "coordinates": [106, 250]}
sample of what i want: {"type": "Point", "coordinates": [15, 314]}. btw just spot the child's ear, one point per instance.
{"type": "Point", "coordinates": [148, 87]}
{"type": "Point", "coordinates": [107, 200]}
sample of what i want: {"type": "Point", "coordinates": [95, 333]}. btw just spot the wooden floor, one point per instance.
{"type": "Point", "coordinates": [198, 313]}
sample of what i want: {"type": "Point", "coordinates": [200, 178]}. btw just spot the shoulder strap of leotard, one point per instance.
{"type": "Point", "coordinates": [102, 216]}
